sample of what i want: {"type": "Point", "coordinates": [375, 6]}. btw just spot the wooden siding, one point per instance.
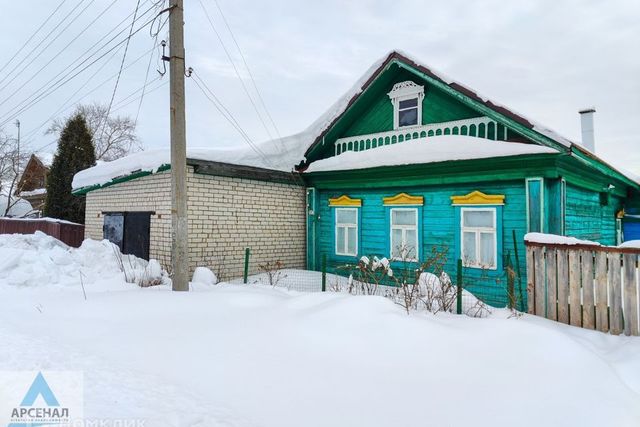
{"type": "Point", "coordinates": [438, 227]}
{"type": "Point", "coordinates": [377, 115]}
{"type": "Point", "coordinates": [587, 219]}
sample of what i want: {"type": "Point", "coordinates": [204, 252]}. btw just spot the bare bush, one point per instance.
{"type": "Point", "coordinates": [273, 271]}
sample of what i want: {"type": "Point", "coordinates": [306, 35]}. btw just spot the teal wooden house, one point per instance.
{"type": "Point", "coordinates": [411, 160]}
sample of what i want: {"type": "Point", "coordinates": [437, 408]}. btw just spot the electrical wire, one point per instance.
{"type": "Point", "coordinates": [124, 56]}
{"type": "Point", "coordinates": [244, 61]}
{"type": "Point", "coordinates": [69, 68]}
{"type": "Point", "coordinates": [6, 64]}
{"type": "Point", "coordinates": [56, 55]}
{"type": "Point", "coordinates": [227, 115]}
{"type": "Point", "coordinates": [244, 86]}
{"type": "Point", "coordinates": [19, 67]}
{"type": "Point", "coordinates": [65, 79]}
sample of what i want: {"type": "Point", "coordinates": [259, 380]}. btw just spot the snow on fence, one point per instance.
{"type": "Point", "coordinates": [68, 232]}
{"type": "Point", "coordinates": [584, 284]}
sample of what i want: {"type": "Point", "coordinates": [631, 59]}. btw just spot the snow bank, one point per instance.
{"type": "Point", "coordinates": [426, 150]}
{"type": "Point", "coordinates": [237, 355]}
{"type": "Point", "coordinates": [556, 239]}
{"type": "Point", "coordinates": [39, 260]}
{"type": "Point", "coordinates": [204, 276]}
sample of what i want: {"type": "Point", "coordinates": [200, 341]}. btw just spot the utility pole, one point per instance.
{"type": "Point", "coordinates": [179, 232]}
{"type": "Point", "coordinates": [17, 123]}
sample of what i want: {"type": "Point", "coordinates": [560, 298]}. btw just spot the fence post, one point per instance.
{"type": "Point", "coordinates": [459, 288]}
{"type": "Point", "coordinates": [511, 293]}
{"type": "Point", "coordinates": [247, 252]}
{"type": "Point", "coordinates": [519, 274]}
{"type": "Point", "coordinates": [324, 272]}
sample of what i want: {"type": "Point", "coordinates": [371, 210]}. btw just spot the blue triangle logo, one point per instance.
{"type": "Point", "coordinates": [39, 387]}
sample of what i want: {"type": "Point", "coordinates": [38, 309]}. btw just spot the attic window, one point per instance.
{"type": "Point", "coordinates": [406, 98]}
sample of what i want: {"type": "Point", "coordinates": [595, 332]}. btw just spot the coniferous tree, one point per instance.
{"type": "Point", "coordinates": [75, 153]}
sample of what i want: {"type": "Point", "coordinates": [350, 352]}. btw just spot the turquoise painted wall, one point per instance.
{"type": "Point", "coordinates": [438, 229]}
{"type": "Point", "coordinates": [588, 219]}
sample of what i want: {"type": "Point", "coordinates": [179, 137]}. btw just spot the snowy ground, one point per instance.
{"type": "Point", "coordinates": [250, 355]}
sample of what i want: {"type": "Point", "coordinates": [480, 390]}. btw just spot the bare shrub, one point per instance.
{"type": "Point", "coordinates": [273, 271]}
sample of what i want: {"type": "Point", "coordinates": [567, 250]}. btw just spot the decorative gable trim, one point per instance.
{"type": "Point", "coordinates": [345, 200]}
{"type": "Point", "coordinates": [403, 199]}
{"type": "Point", "coordinates": [478, 198]}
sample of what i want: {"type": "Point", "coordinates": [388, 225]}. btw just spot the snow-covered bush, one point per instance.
{"type": "Point", "coordinates": [424, 286]}
{"type": "Point", "coordinates": [204, 276]}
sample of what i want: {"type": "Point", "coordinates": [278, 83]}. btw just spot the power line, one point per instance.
{"type": "Point", "coordinates": [55, 56]}
{"type": "Point", "coordinates": [73, 65]}
{"type": "Point", "coordinates": [64, 104]}
{"type": "Point", "coordinates": [32, 36]}
{"type": "Point", "coordinates": [227, 115]}
{"type": "Point", "coordinates": [120, 105]}
{"type": "Point", "coordinates": [124, 56]}
{"type": "Point", "coordinates": [244, 86]}
{"type": "Point", "coordinates": [146, 77]}
{"type": "Point", "coordinates": [64, 80]}
{"type": "Point", "coordinates": [255, 86]}
{"type": "Point", "coordinates": [18, 67]}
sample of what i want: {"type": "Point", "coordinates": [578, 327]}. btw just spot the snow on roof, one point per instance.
{"type": "Point", "coordinates": [36, 192]}
{"type": "Point", "coordinates": [556, 239]}
{"type": "Point", "coordinates": [325, 121]}
{"type": "Point", "coordinates": [426, 150]}
{"type": "Point", "coordinates": [152, 160]}
{"type": "Point", "coordinates": [45, 158]}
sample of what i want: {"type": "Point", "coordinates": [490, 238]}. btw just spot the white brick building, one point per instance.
{"type": "Point", "coordinates": [230, 208]}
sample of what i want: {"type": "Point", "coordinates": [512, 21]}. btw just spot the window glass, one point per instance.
{"type": "Point", "coordinates": [478, 219]}
{"type": "Point", "coordinates": [403, 217]}
{"type": "Point", "coordinates": [351, 241]}
{"type": "Point", "coordinates": [396, 243]}
{"type": "Point", "coordinates": [479, 237]}
{"type": "Point", "coordinates": [340, 237]}
{"type": "Point", "coordinates": [487, 249]}
{"type": "Point", "coordinates": [346, 231]}
{"type": "Point", "coordinates": [346, 216]}
{"type": "Point", "coordinates": [469, 248]}
{"type": "Point", "coordinates": [411, 242]}
{"type": "Point", "coordinates": [408, 103]}
{"type": "Point", "coordinates": [408, 117]}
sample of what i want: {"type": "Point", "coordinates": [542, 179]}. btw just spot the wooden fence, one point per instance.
{"type": "Point", "coordinates": [70, 233]}
{"type": "Point", "coordinates": [594, 287]}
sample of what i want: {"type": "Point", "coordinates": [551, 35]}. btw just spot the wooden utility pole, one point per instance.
{"type": "Point", "coordinates": [179, 232]}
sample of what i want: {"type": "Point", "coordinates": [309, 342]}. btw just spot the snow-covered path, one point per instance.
{"type": "Point", "coordinates": [247, 355]}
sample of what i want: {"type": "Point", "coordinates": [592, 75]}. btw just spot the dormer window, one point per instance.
{"type": "Point", "coordinates": [406, 98]}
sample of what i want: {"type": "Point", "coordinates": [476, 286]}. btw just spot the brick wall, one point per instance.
{"type": "Point", "coordinates": [226, 215]}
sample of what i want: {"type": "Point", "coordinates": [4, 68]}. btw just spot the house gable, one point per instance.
{"type": "Point", "coordinates": [372, 111]}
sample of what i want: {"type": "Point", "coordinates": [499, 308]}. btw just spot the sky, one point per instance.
{"type": "Point", "coordinates": [544, 59]}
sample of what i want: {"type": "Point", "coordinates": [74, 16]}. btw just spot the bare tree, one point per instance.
{"type": "Point", "coordinates": [11, 161]}
{"type": "Point", "coordinates": [113, 136]}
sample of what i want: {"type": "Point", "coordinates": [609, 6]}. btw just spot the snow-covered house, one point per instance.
{"type": "Point", "coordinates": [406, 161]}
{"type": "Point", "coordinates": [32, 183]}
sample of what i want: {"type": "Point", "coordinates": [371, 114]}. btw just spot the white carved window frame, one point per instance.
{"type": "Point", "coordinates": [401, 92]}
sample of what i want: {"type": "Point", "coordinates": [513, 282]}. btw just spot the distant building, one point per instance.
{"type": "Point", "coordinates": [32, 185]}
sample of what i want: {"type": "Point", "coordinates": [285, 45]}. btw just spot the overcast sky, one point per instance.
{"type": "Point", "coordinates": [545, 59]}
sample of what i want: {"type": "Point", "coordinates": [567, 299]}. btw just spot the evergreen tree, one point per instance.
{"type": "Point", "coordinates": [75, 153]}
